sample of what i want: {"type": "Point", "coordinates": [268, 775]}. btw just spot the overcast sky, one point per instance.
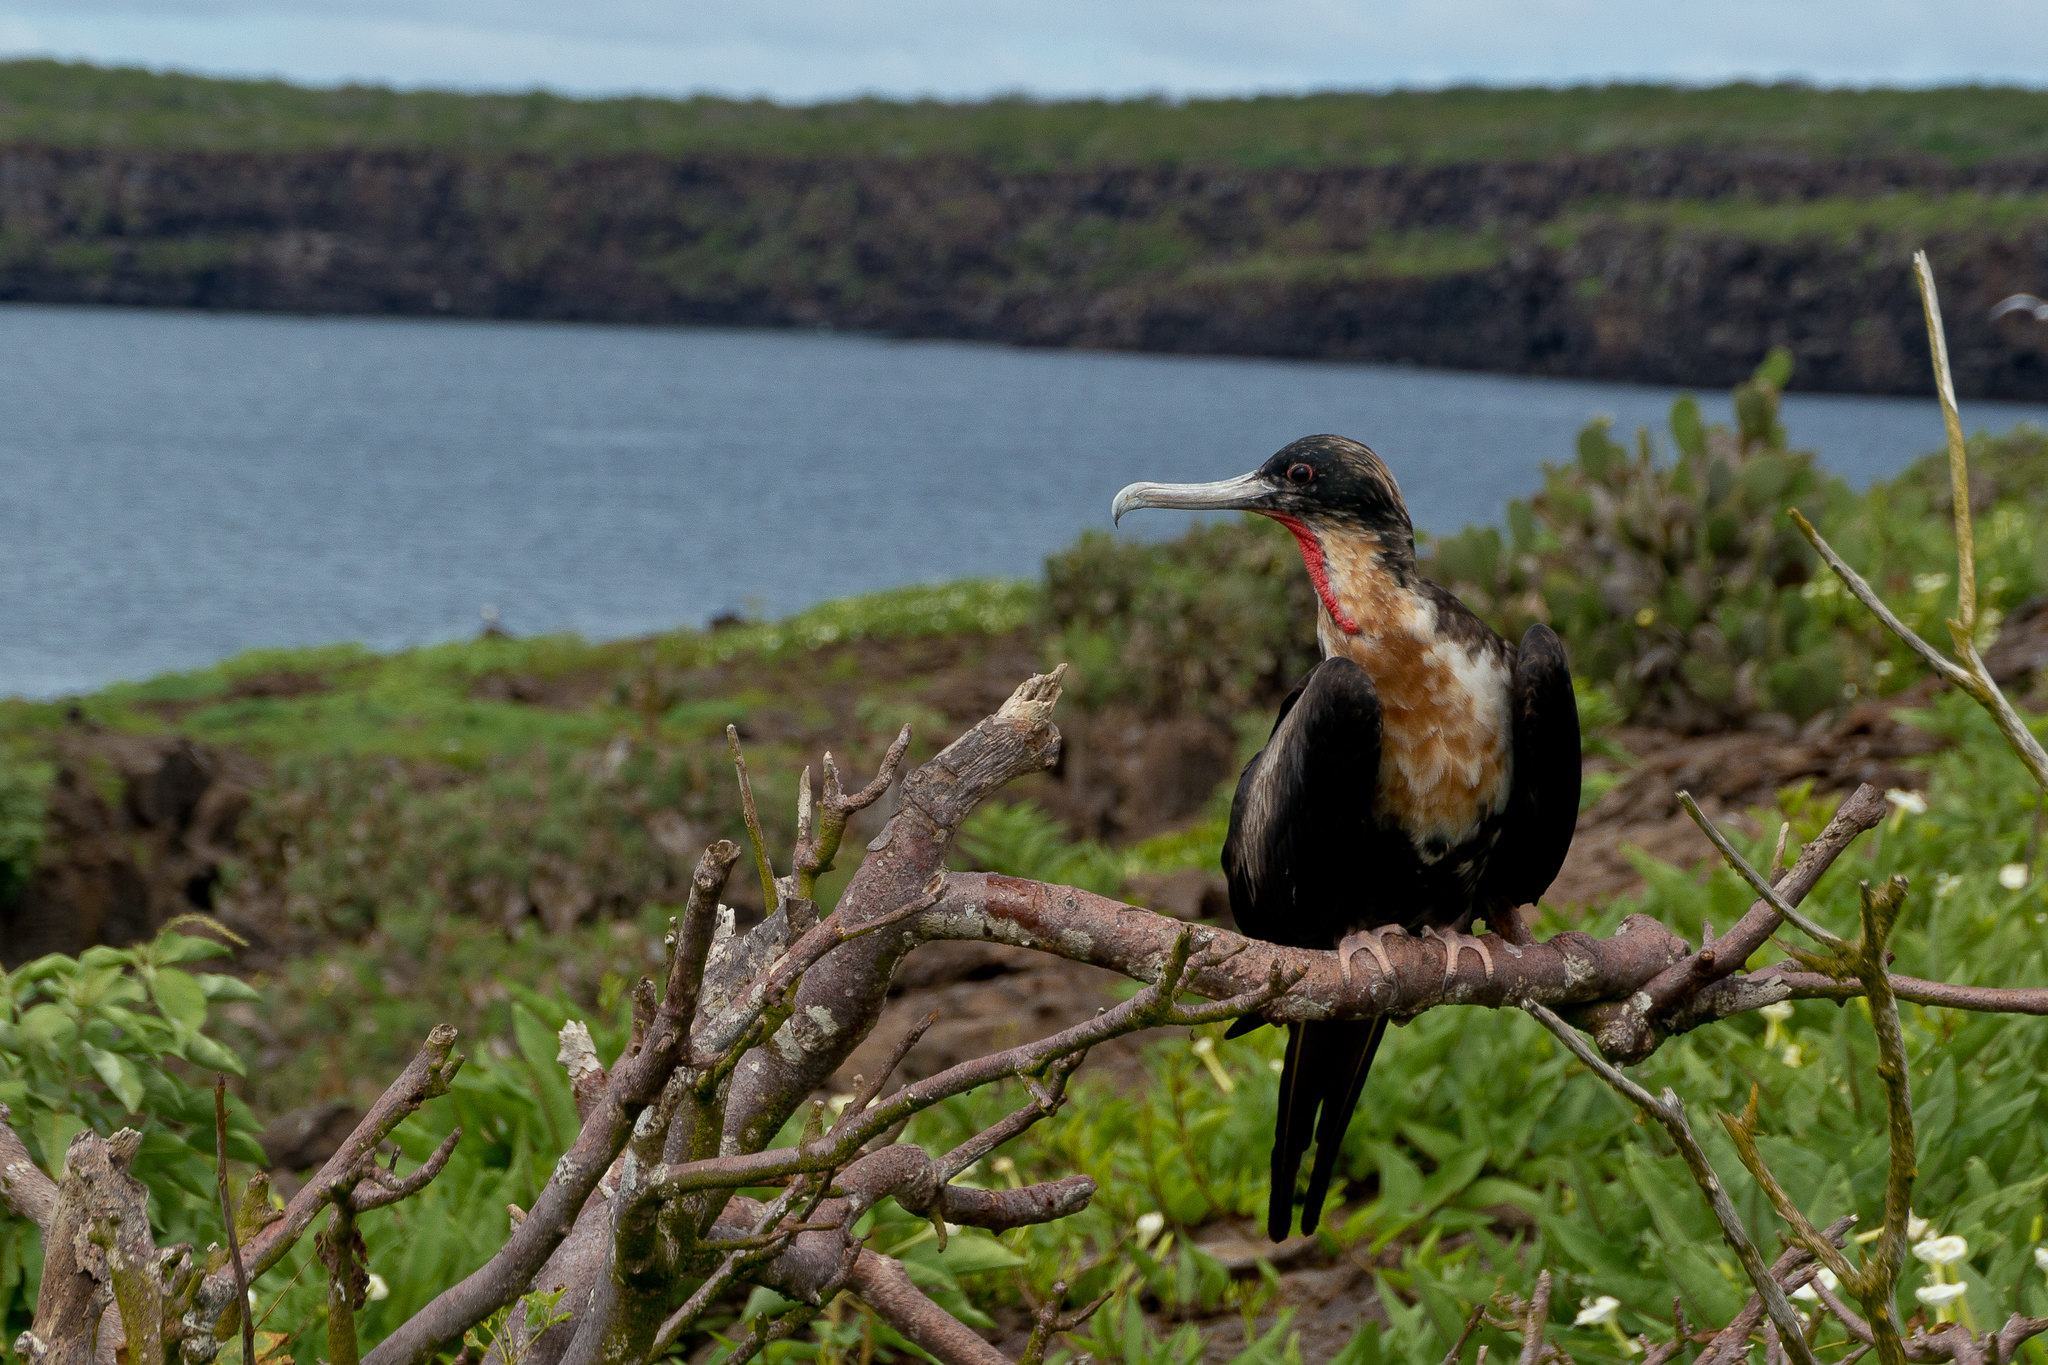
{"type": "Point", "coordinates": [812, 49]}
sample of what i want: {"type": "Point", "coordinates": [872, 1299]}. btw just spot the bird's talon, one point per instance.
{"type": "Point", "coordinates": [1369, 941]}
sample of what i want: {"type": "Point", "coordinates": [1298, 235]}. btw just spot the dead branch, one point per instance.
{"type": "Point", "coordinates": [1628, 1031]}
{"type": "Point", "coordinates": [227, 1218]}
{"type": "Point", "coordinates": [26, 1189]}
{"type": "Point", "coordinates": [1793, 1270]}
{"type": "Point", "coordinates": [1670, 1112]}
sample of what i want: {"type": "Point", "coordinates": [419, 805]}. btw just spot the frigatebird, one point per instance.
{"type": "Point", "coordinates": [1423, 775]}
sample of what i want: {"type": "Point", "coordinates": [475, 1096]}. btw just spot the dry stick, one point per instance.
{"type": "Point", "coordinates": [1628, 1032]}
{"type": "Point", "coordinates": [1986, 999]}
{"type": "Point", "coordinates": [636, 1081]}
{"type": "Point", "coordinates": [341, 1290]}
{"type": "Point", "coordinates": [1970, 676]}
{"type": "Point", "coordinates": [227, 1215]}
{"type": "Point", "coordinates": [1876, 1284]}
{"type": "Point", "coordinates": [1048, 1319]}
{"type": "Point", "coordinates": [1538, 1315]}
{"type": "Point", "coordinates": [1975, 681]}
{"type": "Point", "coordinates": [1731, 1343]}
{"type": "Point", "coordinates": [1958, 459]}
{"type": "Point", "coordinates": [1755, 879]}
{"type": "Point", "coordinates": [753, 818]}
{"type": "Point", "coordinates": [1669, 1112]}
{"type": "Point", "coordinates": [1457, 1351]}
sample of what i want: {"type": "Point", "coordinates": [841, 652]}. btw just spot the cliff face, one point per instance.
{"type": "Point", "coordinates": [1649, 266]}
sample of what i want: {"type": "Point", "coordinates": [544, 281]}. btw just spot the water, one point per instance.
{"type": "Point", "coordinates": [177, 487]}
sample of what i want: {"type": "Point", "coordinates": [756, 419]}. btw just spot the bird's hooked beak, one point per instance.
{"type": "Point", "coordinates": [1246, 493]}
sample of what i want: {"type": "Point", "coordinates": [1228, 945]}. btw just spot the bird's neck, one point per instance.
{"type": "Point", "coordinates": [1363, 578]}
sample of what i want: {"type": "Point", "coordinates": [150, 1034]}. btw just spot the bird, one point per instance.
{"type": "Point", "coordinates": [1423, 774]}
{"type": "Point", "coordinates": [2020, 303]}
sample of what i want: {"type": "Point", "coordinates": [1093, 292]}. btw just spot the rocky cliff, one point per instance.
{"type": "Point", "coordinates": [1652, 266]}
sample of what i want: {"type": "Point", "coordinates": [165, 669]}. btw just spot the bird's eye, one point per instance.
{"type": "Point", "coordinates": [1300, 475]}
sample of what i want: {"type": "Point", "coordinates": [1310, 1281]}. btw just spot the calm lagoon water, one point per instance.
{"type": "Point", "coordinates": [177, 487]}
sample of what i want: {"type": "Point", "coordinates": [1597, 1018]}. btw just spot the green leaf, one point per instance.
{"type": "Point", "coordinates": [219, 986]}
{"type": "Point", "coordinates": [50, 1025]}
{"type": "Point", "coordinates": [120, 1074]}
{"type": "Point", "coordinates": [182, 999]}
{"type": "Point", "coordinates": [201, 1050]}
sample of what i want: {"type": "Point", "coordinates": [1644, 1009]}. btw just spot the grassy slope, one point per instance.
{"type": "Point", "coordinates": [87, 106]}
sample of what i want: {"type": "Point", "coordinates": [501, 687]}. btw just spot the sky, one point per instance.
{"type": "Point", "coordinates": [817, 49]}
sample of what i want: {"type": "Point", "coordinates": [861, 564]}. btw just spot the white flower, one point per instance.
{"type": "Point", "coordinates": [1883, 668]}
{"type": "Point", "coordinates": [1942, 1250]}
{"type": "Point", "coordinates": [837, 1104]}
{"type": "Point", "coordinates": [1805, 1294]}
{"type": "Point", "coordinates": [1777, 1011]}
{"type": "Point", "coordinates": [378, 1291]}
{"type": "Point", "coordinates": [1597, 1312]}
{"type": "Point", "coordinates": [1827, 1279]}
{"type": "Point", "coordinates": [1916, 1226]}
{"type": "Point", "coordinates": [1940, 1295]}
{"type": "Point", "coordinates": [1913, 803]}
{"type": "Point", "coordinates": [1929, 582]}
{"type": "Point", "coordinates": [2013, 876]}
{"type": "Point", "coordinates": [2041, 1258]}
{"type": "Point", "coordinates": [1003, 1165]}
{"type": "Point", "coordinates": [252, 1300]}
{"type": "Point", "coordinates": [1150, 1225]}
{"type": "Point", "coordinates": [1944, 883]}
{"type": "Point", "coordinates": [1793, 1055]}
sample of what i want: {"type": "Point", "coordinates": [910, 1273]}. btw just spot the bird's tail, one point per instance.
{"type": "Point", "coordinates": [1325, 1070]}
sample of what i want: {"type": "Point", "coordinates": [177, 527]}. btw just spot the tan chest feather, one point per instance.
{"type": "Point", "coordinates": [1445, 756]}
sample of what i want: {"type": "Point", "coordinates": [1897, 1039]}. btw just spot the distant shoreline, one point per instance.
{"type": "Point", "coordinates": [1649, 267]}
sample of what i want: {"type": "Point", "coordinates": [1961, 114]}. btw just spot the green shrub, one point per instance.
{"type": "Point", "coordinates": [1677, 585]}
{"type": "Point", "coordinates": [118, 1037]}
{"type": "Point", "coordinates": [1211, 621]}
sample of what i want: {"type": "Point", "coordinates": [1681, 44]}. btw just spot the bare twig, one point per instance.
{"type": "Point", "coordinates": [1629, 1031]}
{"type": "Point", "coordinates": [1535, 1320]}
{"type": "Point", "coordinates": [227, 1218]}
{"type": "Point", "coordinates": [753, 819]}
{"type": "Point", "coordinates": [1958, 456]}
{"type": "Point", "coordinates": [1669, 1112]}
{"type": "Point", "coordinates": [1457, 1351]}
{"type": "Point", "coordinates": [1049, 1318]}
{"type": "Point", "coordinates": [1970, 675]}
{"type": "Point", "coordinates": [1763, 889]}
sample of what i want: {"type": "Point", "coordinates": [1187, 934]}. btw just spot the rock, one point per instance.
{"type": "Point", "coordinates": [114, 871]}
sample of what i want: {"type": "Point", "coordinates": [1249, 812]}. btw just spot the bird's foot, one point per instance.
{"type": "Point", "coordinates": [1366, 940]}
{"type": "Point", "coordinates": [1454, 944]}
{"type": "Point", "coordinates": [1507, 921]}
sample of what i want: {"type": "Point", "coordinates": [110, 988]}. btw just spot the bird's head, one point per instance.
{"type": "Point", "coordinates": [1336, 496]}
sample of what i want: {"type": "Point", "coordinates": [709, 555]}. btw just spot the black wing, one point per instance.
{"type": "Point", "coordinates": [1294, 859]}
{"type": "Point", "coordinates": [1292, 854]}
{"type": "Point", "coordinates": [1543, 808]}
